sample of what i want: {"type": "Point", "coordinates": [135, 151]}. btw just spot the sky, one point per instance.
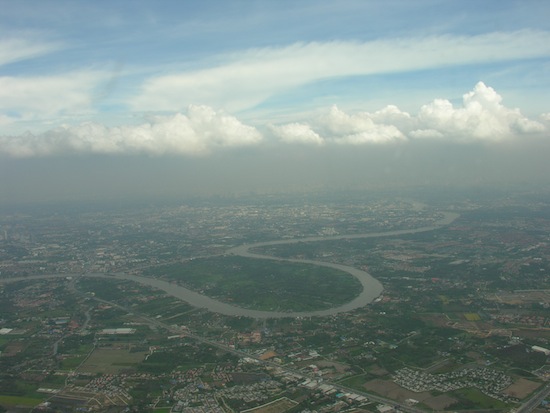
{"type": "Point", "coordinates": [128, 99]}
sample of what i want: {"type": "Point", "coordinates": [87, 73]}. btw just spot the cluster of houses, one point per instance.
{"type": "Point", "coordinates": [489, 381]}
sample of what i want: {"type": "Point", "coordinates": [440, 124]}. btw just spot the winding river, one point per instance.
{"type": "Point", "coordinates": [372, 288]}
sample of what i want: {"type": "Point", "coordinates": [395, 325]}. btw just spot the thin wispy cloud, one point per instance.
{"type": "Point", "coordinates": [48, 98]}
{"type": "Point", "coordinates": [247, 78]}
{"type": "Point", "coordinates": [17, 48]}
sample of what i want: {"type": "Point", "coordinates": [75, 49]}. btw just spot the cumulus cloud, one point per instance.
{"type": "Point", "coordinates": [198, 132]}
{"type": "Point", "coordinates": [358, 128]}
{"type": "Point", "coordinates": [392, 115]}
{"type": "Point", "coordinates": [245, 79]}
{"type": "Point", "coordinates": [336, 126]}
{"type": "Point", "coordinates": [426, 134]}
{"type": "Point", "coordinates": [297, 133]}
{"type": "Point", "coordinates": [481, 117]}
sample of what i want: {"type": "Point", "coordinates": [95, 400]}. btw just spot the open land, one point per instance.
{"type": "Point", "coordinates": [284, 286]}
{"type": "Point", "coordinates": [462, 322]}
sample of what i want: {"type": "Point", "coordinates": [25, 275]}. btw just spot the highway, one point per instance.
{"type": "Point", "coordinates": [534, 401]}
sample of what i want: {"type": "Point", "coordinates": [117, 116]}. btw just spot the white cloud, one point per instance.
{"type": "Point", "coordinates": [360, 128]}
{"type": "Point", "coordinates": [20, 48]}
{"type": "Point", "coordinates": [336, 126]}
{"type": "Point", "coordinates": [296, 133]}
{"type": "Point", "coordinates": [379, 134]}
{"type": "Point", "coordinates": [40, 98]}
{"type": "Point", "coordinates": [391, 114]}
{"type": "Point", "coordinates": [481, 117]}
{"type": "Point", "coordinates": [245, 79]}
{"type": "Point", "coordinates": [199, 132]}
{"type": "Point", "coordinates": [426, 134]}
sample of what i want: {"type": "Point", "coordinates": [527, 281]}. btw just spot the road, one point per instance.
{"type": "Point", "coordinates": [535, 400]}
{"type": "Point", "coordinates": [244, 354]}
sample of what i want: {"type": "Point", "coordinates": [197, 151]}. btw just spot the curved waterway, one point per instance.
{"type": "Point", "coordinates": [372, 288]}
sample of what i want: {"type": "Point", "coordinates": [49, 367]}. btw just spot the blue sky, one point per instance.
{"type": "Point", "coordinates": [195, 78]}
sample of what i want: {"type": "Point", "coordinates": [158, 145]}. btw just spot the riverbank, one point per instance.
{"type": "Point", "coordinates": [372, 288]}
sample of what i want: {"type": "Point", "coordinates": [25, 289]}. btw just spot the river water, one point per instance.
{"type": "Point", "coordinates": [372, 288]}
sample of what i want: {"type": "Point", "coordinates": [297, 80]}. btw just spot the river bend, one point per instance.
{"type": "Point", "coordinates": [372, 288]}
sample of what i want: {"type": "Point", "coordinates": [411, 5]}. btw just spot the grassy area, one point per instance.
{"type": "Point", "coordinates": [356, 382]}
{"type": "Point", "coordinates": [472, 317]}
{"type": "Point", "coordinates": [53, 381]}
{"type": "Point", "coordinates": [183, 357]}
{"type": "Point", "coordinates": [444, 299]}
{"type": "Point", "coordinates": [72, 362]}
{"type": "Point", "coordinates": [19, 401]}
{"type": "Point", "coordinates": [111, 361]}
{"type": "Point", "coordinates": [264, 284]}
{"type": "Point", "coordinates": [3, 341]}
{"type": "Point", "coordinates": [276, 406]}
{"type": "Point", "coordinates": [157, 306]}
{"type": "Point", "coordinates": [522, 373]}
{"type": "Point", "coordinates": [473, 398]}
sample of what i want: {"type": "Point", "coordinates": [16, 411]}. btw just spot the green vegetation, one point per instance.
{"type": "Point", "coordinates": [10, 386]}
{"type": "Point", "coordinates": [472, 317]}
{"type": "Point", "coordinates": [447, 305]}
{"type": "Point", "coordinates": [53, 381]}
{"type": "Point", "coordinates": [183, 357]}
{"type": "Point", "coordinates": [521, 357]}
{"type": "Point", "coordinates": [157, 306]}
{"type": "Point", "coordinates": [475, 399]}
{"type": "Point", "coordinates": [264, 284]}
{"type": "Point", "coordinates": [356, 382]}
{"type": "Point", "coordinates": [19, 401]}
{"type": "Point", "coordinates": [522, 373]}
{"type": "Point", "coordinates": [3, 342]}
{"type": "Point", "coordinates": [77, 344]}
{"type": "Point", "coordinates": [70, 363]}
{"type": "Point", "coordinates": [105, 289]}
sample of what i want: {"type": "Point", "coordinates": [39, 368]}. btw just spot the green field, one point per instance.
{"type": "Point", "coordinates": [264, 284]}
{"type": "Point", "coordinates": [72, 362]}
{"type": "Point", "coordinates": [356, 382]}
{"type": "Point", "coordinates": [111, 361]}
{"type": "Point", "coordinates": [18, 401]}
{"type": "Point", "coordinates": [472, 317]}
{"type": "Point", "coordinates": [473, 398]}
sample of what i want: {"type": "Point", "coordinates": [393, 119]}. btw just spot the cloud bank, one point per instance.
{"type": "Point", "coordinates": [197, 133]}
{"type": "Point", "coordinates": [481, 118]}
